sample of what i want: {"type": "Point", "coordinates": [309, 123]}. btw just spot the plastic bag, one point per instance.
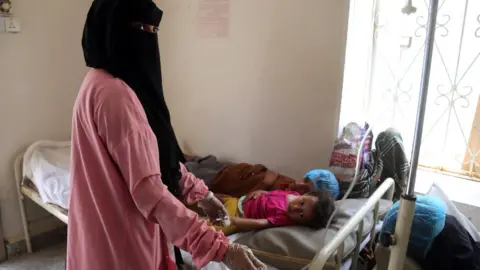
{"type": "Point", "coordinates": [344, 156]}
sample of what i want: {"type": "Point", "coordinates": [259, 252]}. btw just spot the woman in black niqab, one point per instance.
{"type": "Point", "coordinates": [130, 52]}
{"type": "Point", "coordinates": [121, 215]}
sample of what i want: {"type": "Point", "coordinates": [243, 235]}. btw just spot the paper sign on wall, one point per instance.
{"type": "Point", "coordinates": [213, 18]}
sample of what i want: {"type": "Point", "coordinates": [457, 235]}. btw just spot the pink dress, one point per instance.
{"type": "Point", "coordinates": [121, 215]}
{"type": "Point", "coordinates": [271, 206]}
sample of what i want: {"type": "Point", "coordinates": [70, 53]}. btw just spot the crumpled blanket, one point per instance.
{"type": "Point", "coordinates": [237, 180]}
{"type": "Point", "coordinates": [205, 168]}
{"type": "Point", "coordinates": [391, 161]}
{"type": "Point", "coordinates": [387, 160]}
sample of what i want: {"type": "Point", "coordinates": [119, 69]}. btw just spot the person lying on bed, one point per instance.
{"type": "Point", "coordinates": [265, 209]}
{"type": "Point", "coordinates": [237, 180]}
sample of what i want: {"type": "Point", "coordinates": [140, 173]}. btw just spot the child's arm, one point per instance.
{"type": "Point", "coordinates": [248, 224]}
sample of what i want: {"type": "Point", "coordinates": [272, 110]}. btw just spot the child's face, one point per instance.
{"type": "Point", "coordinates": [302, 208]}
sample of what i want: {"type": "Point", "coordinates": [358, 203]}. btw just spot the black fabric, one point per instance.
{"type": "Point", "coordinates": [391, 161]}
{"type": "Point", "coordinates": [112, 44]}
{"type": "Point", "coordinates": [453, 249]}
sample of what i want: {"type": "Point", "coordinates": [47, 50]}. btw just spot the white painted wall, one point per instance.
{"type": "Point", "coordinates": [270, 93]}
{"type": "Point", "coordinates": [41, 69]}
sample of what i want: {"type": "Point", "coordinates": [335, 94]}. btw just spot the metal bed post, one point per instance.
{"type": "Point", "coordinates": [407, 202]}
{"type": "Point", "coordinates": [21, 200]}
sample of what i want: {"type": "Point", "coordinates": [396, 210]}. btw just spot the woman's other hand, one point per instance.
{"type": "Point", "coordinates": [214, 209]}
{"type": "Point", "coordinates": [241, 257]}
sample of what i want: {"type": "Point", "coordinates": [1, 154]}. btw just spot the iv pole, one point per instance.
{"type": "Point", "coordinates": [407, 202]}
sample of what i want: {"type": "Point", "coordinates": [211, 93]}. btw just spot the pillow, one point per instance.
{"type": "Point", "coordinates": [294, 247]}
{"type": "Point", "coordinates": [428, 222]}
{"type": "Point", "coordinates": [452, 210]}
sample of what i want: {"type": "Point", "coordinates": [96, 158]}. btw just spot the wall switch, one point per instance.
{"type": "Point", "coordinates": [12, 25]}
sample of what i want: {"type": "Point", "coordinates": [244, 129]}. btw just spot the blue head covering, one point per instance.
{"type": "Point", "coordinates": [428, 222]}
{"type": "Point", "coordinates": [324, 179]}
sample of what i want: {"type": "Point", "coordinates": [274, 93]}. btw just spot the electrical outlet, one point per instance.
{"type": "Point", "coordinates": [12, 25]}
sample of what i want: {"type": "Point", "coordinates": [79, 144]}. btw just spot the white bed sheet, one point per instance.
{"type": "Point", "coordinates": [47, 165]}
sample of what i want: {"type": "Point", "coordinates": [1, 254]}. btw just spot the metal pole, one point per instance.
{"type": "Point", "coordinates": [422, 102]}
{"type": "Point", "coordinates": [407, 202]}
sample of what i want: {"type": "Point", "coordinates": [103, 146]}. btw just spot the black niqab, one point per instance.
{"type": "Point", "coordinates": [111, 43]}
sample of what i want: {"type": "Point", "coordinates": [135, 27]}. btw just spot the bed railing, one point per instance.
{"type": "Point", "coordinates": [336, 244]}
{"type": "Point", "coordinates": [18, 168]}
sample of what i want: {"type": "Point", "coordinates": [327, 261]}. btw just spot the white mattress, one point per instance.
{"type": "Point", "coordinates": [187, 258]}
{"type": "Point", "coordinates": [47, 165]}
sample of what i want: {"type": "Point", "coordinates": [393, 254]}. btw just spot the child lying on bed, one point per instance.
{"type": "Point", "coordinates": [265, 209]}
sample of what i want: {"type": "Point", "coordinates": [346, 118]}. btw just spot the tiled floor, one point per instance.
{"type": "Point", "coordinates": [48, 259]}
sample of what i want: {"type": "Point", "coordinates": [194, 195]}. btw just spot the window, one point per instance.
{"type": "Point", "coordinates": [383, 72]}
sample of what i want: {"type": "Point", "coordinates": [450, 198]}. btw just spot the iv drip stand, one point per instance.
{"type": "Point", "coordinates": [407, 202]}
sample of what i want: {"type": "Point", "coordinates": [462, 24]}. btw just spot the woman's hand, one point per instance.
{"type": "Point", "coordinates": [241, 257]}
{"type": "Point", "coordinates": [214, 209]}
{"type": "Point", "coordinates": [255, 194]}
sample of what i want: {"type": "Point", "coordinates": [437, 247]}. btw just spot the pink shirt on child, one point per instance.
{"type": "Point", "coordinates": [121, 215]}
{"type": "Point", "coordinates": [271, 206]}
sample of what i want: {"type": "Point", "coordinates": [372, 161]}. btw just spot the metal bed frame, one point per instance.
{"type": "Point", "coordinates": [335, 246]}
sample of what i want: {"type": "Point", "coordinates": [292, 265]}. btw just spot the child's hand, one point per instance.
{"type": "Point", "coordinates": [222, 222]}
{"type": "Point", "coordinates": [301, 188]}
{"type": "Point", "coordinates": [233, 221]}
{"type": "Point", "coordinates": [255, 194]}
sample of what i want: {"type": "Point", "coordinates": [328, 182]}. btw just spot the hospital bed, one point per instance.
{"type": "Point", "coordinates": [338, 263]}
{"type": "Point", "coordinates": [43, 169]}
{"type": "Point", "coordinates": [42, 175]}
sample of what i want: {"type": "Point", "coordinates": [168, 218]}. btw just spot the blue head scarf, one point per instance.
{"type": "Point", "coordinates": [428, 221]}
{"type": "Point", "coordinates": [324, 179]}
